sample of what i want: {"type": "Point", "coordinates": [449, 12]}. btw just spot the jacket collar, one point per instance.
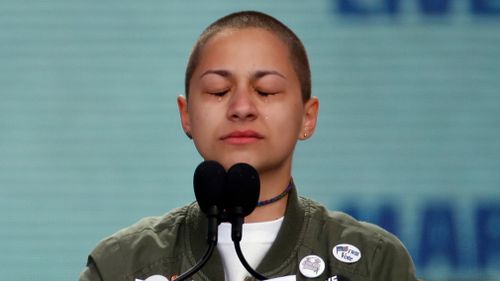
{"type": "Point", "coordinates": [196, 244]}
{"type": "Point", "coordinates": [282, 252]}
{"type": "Point", "coordinates": [285, 247]}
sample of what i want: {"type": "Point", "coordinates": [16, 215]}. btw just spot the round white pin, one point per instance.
{"type": "Point", "coordinates": [156, 278]}
{"type": "Point", "coordinates": [312, 266]}
{"type": "Point", "coordinates": [346, 253]}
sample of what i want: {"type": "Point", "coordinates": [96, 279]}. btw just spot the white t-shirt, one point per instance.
{"type": "Point", "coordinates": [256, 240]}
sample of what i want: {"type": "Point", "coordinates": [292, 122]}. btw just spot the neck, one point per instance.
{"type": "Point", "coordinates": [271, 184]}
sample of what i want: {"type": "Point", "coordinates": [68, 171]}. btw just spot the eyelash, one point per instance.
{"type": "Point", "coordinates": [220, 94]}
{"type": "Point", "coordinates": [261, 93]}
{"type": "Point", "coordinates": [265, 94]}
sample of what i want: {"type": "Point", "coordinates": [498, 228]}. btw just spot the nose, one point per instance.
{"type": "Point", "coordinates": [242, 106]}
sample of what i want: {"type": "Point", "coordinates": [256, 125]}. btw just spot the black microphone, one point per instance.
{"type": "Point", "coordinates": [209, 183]}
{"type": "Point", "coordinates": [242, 195]}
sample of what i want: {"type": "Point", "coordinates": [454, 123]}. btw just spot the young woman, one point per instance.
{"type": "Point", "coordinates": [248, 99]}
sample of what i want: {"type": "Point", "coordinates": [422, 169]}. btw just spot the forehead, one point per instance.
{"type": "Point", "coordinates": [257, 45]}
{"type": "Point", "coordinates": [244, 31]}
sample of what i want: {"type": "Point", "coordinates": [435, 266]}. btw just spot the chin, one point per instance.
{"type": "Point", "coordinates": [228, 163]}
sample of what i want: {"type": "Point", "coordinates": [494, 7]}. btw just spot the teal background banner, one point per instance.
{"type": "Point", "coordinates": [408, 136]}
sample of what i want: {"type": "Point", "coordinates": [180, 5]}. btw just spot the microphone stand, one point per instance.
{"type": "Point", "coordinates": [236, 233]}
{"type": "Point", "coordinates": [245, 264]}
{"type": "Point", "coordinates": [213, 222]}
{"type": "Point", "coordinates": [199, 264]}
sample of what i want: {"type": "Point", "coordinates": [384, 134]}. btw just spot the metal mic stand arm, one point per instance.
{"type": "Point", "coordinates": [245, 263]}
{"type": "Point", "coordinates": [213, 222]}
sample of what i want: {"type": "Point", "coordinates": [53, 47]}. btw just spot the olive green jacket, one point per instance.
{"type": "Point", "coordinates": [172, 244]}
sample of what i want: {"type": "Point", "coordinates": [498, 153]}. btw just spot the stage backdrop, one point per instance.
{"type": "Point", "coordinates": [408, 135]}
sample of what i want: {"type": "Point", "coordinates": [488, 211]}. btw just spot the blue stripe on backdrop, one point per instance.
{"type": "Point", "coordinates": [408, 135]}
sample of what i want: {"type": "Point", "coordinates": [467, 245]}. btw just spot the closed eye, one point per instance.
{"type": "Point", "coordinates": [266, 94]}
{"type": "Point", "coordinates": [220, 93]}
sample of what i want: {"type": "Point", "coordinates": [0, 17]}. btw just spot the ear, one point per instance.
{"type": "Point", "coordinates": [184, 114]}
{"type": "Point", "coordinates": [310, 118]}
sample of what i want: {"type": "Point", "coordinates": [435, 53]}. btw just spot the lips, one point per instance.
{"type": "Point", "coordinates": [242, 137]}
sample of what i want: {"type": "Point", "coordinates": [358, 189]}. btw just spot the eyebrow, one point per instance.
{"type": "Point", "coordinates": [221, 72]}
{"type": "Point", "coordinates": [262, 73]}
{"type": "Point", "coordinates": [255, 75]}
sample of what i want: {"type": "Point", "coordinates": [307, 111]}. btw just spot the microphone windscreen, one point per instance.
{"type": "Point", "coordinates": [209, 183]}
{"type": "Point", "coordinates": [243, 188]}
